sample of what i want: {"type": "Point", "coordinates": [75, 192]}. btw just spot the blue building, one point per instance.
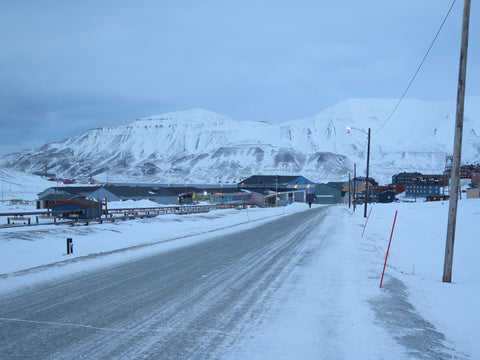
{"type": "Point", "coordinates": [81, 209]}
{"type": "Point", "coordinates": [421, 189]}
{"type": "Point", "coordinates": [386, 197]}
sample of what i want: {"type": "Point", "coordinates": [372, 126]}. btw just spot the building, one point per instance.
{"type": "Point", "coordinates": [363, 179]}
{"type": "Point", "coordinates": [359, 186]}
{"type": "Point", "coordinates": [157, 194]}
{"type": "Point", "coordinates": [271, 190]}
{"type": "Point", "coordinates": [379, 196]}
{"type": "Point", "coordinates": [395, 188]}
{"type": "Point", "coordinates": [441, 180]}
{"type": "Point", "coordinates": [78, 209]}
{"type": "Point", "coordinates": [466, 171]}
{"type": "Point", "coordinates": [338, 184]}
{"type": "Point", "coordinates": [273, 182]}
{"type": "Point", "coordinates": [406, 178]}
{"type": "Point", "coordinates": [386, 197]}
{"type": "Point", "coordinates": [475, 179]}
{"type": "Point", "coordinates": [326, 194]}
{"type": "Point", "coordinates": [473, 193]}
{"type": "Point", "coordinates": [57, 194]}
{"type": "Point", "coordinates": [437, 197]}
{"type": "Point", "coordinates": [422, 189]}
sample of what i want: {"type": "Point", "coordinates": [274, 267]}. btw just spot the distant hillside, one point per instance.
{"type": "Point", "coordinates": [204, 147]}
{"type": "Point", "coordinates": [18, 185]}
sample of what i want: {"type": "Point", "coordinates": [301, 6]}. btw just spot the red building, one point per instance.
{"type": "Point", "coordinates": [394, 188]}
{"type": "Point", "coordinates": [465, 172]}
{"type": "Point", "coordinates": [475, 179]}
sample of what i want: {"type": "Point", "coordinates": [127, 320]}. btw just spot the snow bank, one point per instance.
{"type": "Point", "coordinates": [416, 259]}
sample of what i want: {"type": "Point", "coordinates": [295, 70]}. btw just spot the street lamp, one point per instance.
{"type": "Point", "coordinates": [349, 129]}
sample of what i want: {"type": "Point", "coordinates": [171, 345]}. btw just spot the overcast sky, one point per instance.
{"type": "Point", "coordinates": [69, 66]}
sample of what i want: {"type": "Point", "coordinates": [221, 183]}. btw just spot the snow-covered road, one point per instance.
{"type": "Point", "coordinates": [193, 302]}
{"type": "Point", "coordinates": [302, 286]}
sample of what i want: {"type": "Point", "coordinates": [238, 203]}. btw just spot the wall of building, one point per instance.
{"type": "Point", "coordinates": [473, 193]}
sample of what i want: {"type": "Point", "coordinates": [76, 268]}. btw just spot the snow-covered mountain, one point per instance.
{"type": "Point", "coordinates": [199, 146]}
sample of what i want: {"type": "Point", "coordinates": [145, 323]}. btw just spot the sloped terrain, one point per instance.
{"type": "Point", "coordinates": [202, 146]}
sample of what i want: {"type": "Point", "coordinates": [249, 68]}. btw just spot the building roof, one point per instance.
{"type": "Point", "coordinates": [82, 203]}
{"type": "Point", "coordinates": [139, 191]}
{"type": "Point", "coordinates": [71, 191]}
{"type": "Point", "coordinates": [408, 174]}
{"type": "Point", "coordinates": [77, 190]}
{"type": "Point", "coordinates": [223, 190]}
{"type": "Point", "coordinates": [327, 187]}
{"type": "Point", "coordinates": [177, 190]}
{"type": "Point", "coordinates": [265, 191]}
{"type": "Point", "coordinates": [272, 180]}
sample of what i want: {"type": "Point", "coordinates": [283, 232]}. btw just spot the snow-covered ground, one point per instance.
{"type": "Point", "coordinates": [417, 257]}
{"type": "Point", "coordinates": [20, 186]}
{"type": "Point", "coordinates": [413, 287]}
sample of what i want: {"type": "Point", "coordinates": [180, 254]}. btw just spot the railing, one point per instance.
{"type": "Point", "coordinates": [64, 217]}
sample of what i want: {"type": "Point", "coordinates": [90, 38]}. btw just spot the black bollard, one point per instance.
{"type": "Point", "coordinates": [69, 246]}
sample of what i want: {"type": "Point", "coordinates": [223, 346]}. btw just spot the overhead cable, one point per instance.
{"type": "Point", "coordinates": [418, 70]}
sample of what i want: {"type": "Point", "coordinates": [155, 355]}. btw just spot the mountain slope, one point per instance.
{"type": "Point", "coordinates": [201, 146]}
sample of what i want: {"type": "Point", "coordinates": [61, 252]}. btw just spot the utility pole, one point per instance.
{"type": "Point", "coordinates": [457, 147]}
{"type": "Point", "coordinates": [366, 184]}
{"type": "Point", "coordinates": [349, 191]}
{"type": "Point", "coordinates": [354, 186]}
{"type": "Point", "coordinates": [276, 189]}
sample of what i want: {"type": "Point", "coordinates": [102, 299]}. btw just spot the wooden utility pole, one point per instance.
{"type": "Point", "coordinates": [366, 183]}
{"type": "Point", "coordinates": [349, 191]}
{"type": "Point", "coordinates": [354, 187]}
{"type": "Point", "coordinates": [457, 147]}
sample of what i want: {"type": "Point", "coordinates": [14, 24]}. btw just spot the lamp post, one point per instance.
{"type": "Point", "coordinates": [349, 128]}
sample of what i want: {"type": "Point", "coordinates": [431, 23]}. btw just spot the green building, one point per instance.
{"type": "Point", "coordinates": [325, 194]}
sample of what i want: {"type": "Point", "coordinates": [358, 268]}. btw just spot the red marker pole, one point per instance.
{"type": "Point", "coordinates": [368, 217]}
{"type": "Point", "coordinates": [388, 249]}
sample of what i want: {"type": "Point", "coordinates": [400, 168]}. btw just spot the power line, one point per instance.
{"type": "Point", "coordinates": [418, 69]}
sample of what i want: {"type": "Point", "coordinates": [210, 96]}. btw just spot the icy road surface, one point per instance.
{"type": "Point", "coordinates": [192, 302]}
{"type": "Point", "coordinates": [291, 288]}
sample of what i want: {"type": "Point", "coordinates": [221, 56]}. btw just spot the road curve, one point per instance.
{"type": "Point", "coordinates": [189, 303]}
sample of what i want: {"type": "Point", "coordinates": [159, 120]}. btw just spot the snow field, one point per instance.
{"type": "Point", "coordinates": [416, 258]}
{"type": "Point", "coordinates": [333, 307]}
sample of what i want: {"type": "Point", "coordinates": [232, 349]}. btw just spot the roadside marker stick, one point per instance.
{"type": "Point", "coordinates": [388, 249]}
{"type": "Point", "coordinates": [248, 217]}
{"type": "Point", "coordinates": [368, 217]}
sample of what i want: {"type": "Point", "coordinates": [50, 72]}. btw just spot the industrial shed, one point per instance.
{"type": "Point", "coordinates": [158, 194]}
{"type": "Point", "coordinates": [81, 209]}
{"type": "Point", "coordinates": [325, 194]}
{"type": "Point", "coordinates": [273, 182]}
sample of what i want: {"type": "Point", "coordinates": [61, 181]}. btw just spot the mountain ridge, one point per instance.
{"type": "Point", "coordinates": [201, 146]}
